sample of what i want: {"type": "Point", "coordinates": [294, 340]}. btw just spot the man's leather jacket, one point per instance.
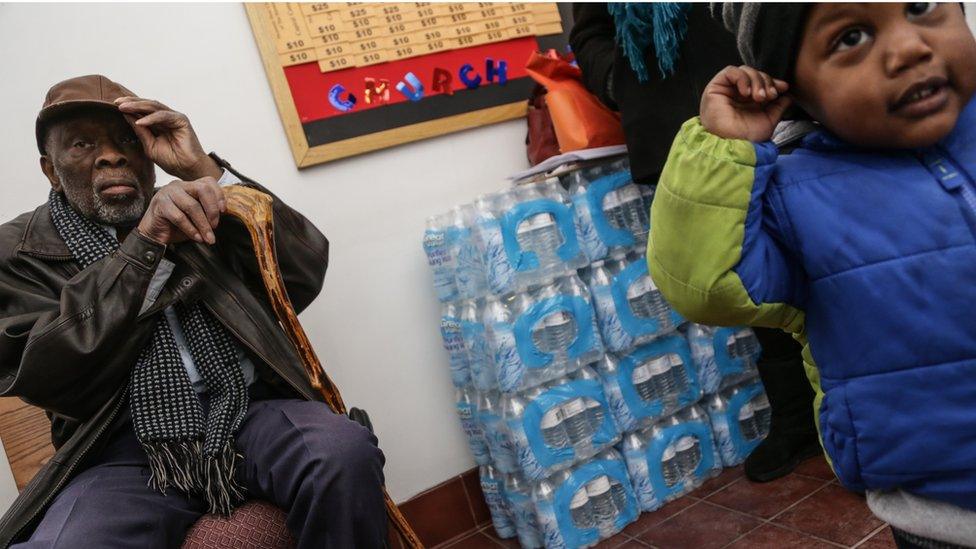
{"type": "Point", "coordinates": [69, 337]}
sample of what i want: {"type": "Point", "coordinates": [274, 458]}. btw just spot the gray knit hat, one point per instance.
{"type": "Point", "coordinates": [768, 35]}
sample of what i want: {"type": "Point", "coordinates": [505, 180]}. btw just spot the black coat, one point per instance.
{"type": "Point", "coordinates": [652, 111]}
{"type": "Point", "coordinates": [69, 336]}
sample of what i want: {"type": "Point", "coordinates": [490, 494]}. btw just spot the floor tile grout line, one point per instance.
{"type": "Point", "coordinates": [799, 501]}
{"type": "Point", "coordinates": [467, 499]}
{"type": "Point", "coordinates": [875, 532]}
{"type": "Point", "coordinates": [769, 521]}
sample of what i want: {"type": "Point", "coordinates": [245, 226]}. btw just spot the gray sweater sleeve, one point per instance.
{"type": "Point", "coordinates": [924, 517]}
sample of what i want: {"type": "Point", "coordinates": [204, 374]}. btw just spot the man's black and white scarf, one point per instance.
{"type": "Point", "coordinates": [186, 450]}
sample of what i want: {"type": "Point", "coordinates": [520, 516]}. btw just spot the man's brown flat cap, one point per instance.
{"type": "Point", "coordinates": [93, 90]}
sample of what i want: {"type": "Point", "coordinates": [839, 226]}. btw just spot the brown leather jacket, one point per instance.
{"type": "Point", "coordinates": [68, 337]}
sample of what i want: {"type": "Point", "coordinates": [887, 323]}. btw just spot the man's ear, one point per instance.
{"type": "Point", "coordinates": [47, 166]}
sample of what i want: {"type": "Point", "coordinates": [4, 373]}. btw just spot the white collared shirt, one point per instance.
{"type": "Point", "coordinates": [163, 271]}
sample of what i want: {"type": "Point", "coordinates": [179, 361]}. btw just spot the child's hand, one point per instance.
{"type": "Point", "coordinates": [743, 103]}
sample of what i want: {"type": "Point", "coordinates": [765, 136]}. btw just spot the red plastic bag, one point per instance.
{"type": "Point", "coordinates": [580, 120]}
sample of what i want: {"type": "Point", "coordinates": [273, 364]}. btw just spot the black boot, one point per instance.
{"type": "Point", "coordinates": [792, 433]}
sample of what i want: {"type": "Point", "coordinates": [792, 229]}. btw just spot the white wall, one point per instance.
{"type": "Point", "coordinates": [375, 326]}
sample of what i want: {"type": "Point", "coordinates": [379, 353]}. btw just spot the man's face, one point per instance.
{"type": "Point", "coordinates": [94, 157]}
{"type": "Point", "coordinates": [886, 75]}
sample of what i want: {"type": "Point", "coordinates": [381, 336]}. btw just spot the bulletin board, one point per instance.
{"type": "Point", "coordinates": [353, 77]}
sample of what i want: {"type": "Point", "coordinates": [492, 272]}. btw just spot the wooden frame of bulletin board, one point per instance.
{"type": "Point", "coordinates": [353, 77]}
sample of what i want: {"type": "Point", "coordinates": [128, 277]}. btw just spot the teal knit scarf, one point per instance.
{"type": "Point", "coordinates": [666, 23]}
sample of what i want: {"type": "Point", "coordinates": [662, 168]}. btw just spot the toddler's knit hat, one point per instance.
{"type": "Point", "coordinates": [768, 35]}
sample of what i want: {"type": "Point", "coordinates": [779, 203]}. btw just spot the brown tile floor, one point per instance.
{"type": "Point", "coordinates": [806, 509]}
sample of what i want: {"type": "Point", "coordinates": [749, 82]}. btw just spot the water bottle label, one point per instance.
{"type": "Point", "coordinates": [500, 273]}
{"type": "Point", "coordinates": [437, 246]}
{"type": "Point", "coordinates": [511, 369]}
{"type": "Point", "coordinates": [454, 345]}
{"type": "Point", "coordinates": [476, 346]}
{"type": "Point", "coordinates": [470, 269]}
{"type": "Point", "coordinates": [723, 439]}
{"type": "Point", "coordinates": [618, 405]}
{"type": "Point", "coordinates": [574, 407]}
{"type": "Point", "coordinates": [641, 374]}
{"type": "Point", "coordinates": [473, 431]}
{"type": "Point", "coordinates": [525, 520]}
{"type": "Point", "coordinates": [549, 524]}
{"type": "Point", "coordinates": [496, 506]}
{"type": "Point", "coordinates": [615, 337]}
{"type": "Point", "coordinates": [590, 241]}
{"type": "Point", "coordinates": [500, 444]}
{"type": "Point", "coordinates": [637, 467]}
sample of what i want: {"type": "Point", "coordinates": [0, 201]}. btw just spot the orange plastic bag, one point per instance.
{"type": "Point", "coordinates": [580, 120]}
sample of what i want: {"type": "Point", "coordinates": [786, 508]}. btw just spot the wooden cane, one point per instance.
{"type": "Point", "coordinates": [253, 208]}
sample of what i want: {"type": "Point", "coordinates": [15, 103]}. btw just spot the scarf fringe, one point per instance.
{"type": "Point", "coordinates": [638, 24]}
{"type": "Point", "coordinates": [220, 486]}
{"type": "Point", "coordinates": [183, 465]}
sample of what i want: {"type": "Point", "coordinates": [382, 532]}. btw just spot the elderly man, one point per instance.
{"type": "Point", "coordinates": [136, 318]}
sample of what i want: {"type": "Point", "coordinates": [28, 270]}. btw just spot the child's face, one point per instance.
{"type": "Point", "coordinates": [886, 75]}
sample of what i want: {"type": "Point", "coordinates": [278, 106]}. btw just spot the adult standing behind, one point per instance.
{"type": "Point", "coordinates": [651, 61]}
{"type": "Point", "coordinates": [136, 318]}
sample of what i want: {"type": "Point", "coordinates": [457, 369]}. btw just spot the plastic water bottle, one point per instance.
{"type": "Point", "coordinates": [538, 233]}
{"type": "Point", "coordinates": [594, 410]}
{"type": "Point", "coordinates": [718, 416]}
{"type": "Point", "coordinates": [453, 341]}
{"type": "Point", "coordinates": [508, 365]}
{"type": "Point", "coordinates": [634, 446]}
{"type": "Point", "coordinates": [580, 510]}
{"type": "Point", "coordinates": [616, 488]}
{"type": "Point", "coordinates": [488, 236]}
{"type": "Point", "coordinates": [679, 374]}
{"type": "Point", "coordinates": [747, 422]}
{"type": "Point", "coordinates": [470, 270]}
{"type": "Point", "coordinates": [480, 363]}
{"type": "Point", "coordinates": [688, 452]}
{"type": "Point", "coordinates": [467, 410]}
{"type": "Point", "coordinates": [763, 413]}
{"type": "Point", "coordinates": [593, 246]}
{"type": "Point", "coordinates": [746, 344]}
{"type": "Point", "coordinates": [612, 210]}
{"type": "Point", "coordinates": [553, 431]}
{"type": "Point", "coordinates": [493, 487]}
{"type": "Point", "coordinates": [644, 383]}
{"type": "Point", "coordinates": [703, 353]}
{"type": "Point", "coordinates": [577, 421]}
{"type": "Point", "coordinates": [647, 195]}
{"type": "Point", "coordinates": [519, 495]}
{"type": "Point", "coordinates": [632, 210]}
{"type": "Point", "coordinates": [499, 442]}
{"type": "Point", "coordinates": [670, 467]}
{"type": "Point", "coordinates": [439, 247]}
{"type": "Point", "coordinates": [601, 502]}
{"type": "Point", "coordinates": [560, 326]}
{"type": "Point", "coordinates": [640, 297]}
{"type": "Point", "coordinates": [663, 379]}
{"type": "Point", "coordinates": [659, 308]}
{"type": "Point", "coordinates": [544, 496]}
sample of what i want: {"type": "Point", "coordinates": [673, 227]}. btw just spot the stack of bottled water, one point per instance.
{"type": "Point", "coordinates": [725, 356]}
{"type": "Point", "coordinates": [740, 420]}
{"type": "Point", "coordinates": [672, 457]}
{"type": "Point", "coordinates": [565, 354]}
{"type": "Point", "coordinates": [588, 502]}
{"type": "Point", "coordinates": [651, 381]}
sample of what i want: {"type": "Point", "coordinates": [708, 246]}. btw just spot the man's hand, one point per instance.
{"type": "Point", "coordinates": [182, 210]}
{"type": "Point", "coordinates": [743, 103]}
{"type": "Point", "coordinates": [168, 138]}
